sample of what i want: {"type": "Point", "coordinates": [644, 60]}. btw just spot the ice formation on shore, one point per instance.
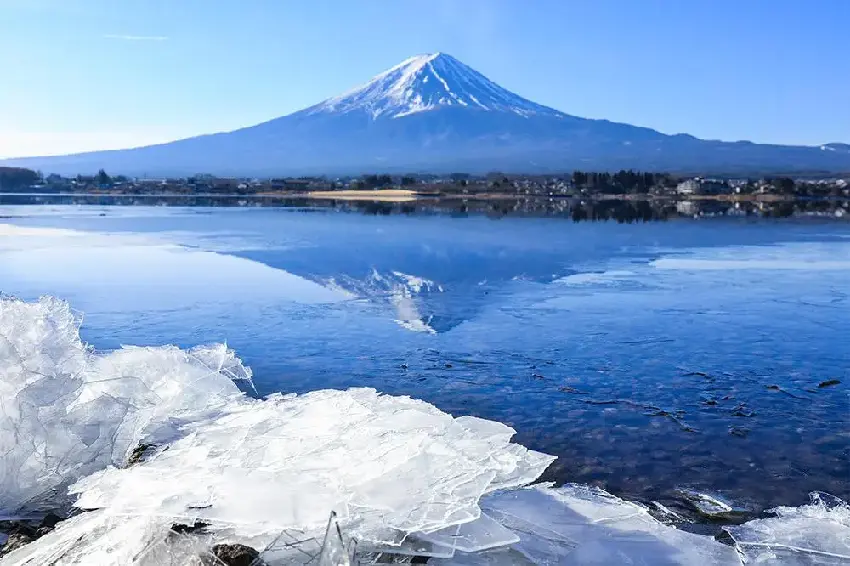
{"type": "Point", "coordinates": [66, 412]}
{"type": "Point", "coordinates": [402, 476]}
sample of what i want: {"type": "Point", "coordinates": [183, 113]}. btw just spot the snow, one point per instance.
{"type": "Point", "coordinates": [429, 82]}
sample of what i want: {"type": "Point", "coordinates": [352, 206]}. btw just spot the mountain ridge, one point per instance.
{"type": "Point", "coordinates": [433, 113]}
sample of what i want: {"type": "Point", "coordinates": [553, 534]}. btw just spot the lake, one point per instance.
{"type": "Point", "coordinates": [648, 356]}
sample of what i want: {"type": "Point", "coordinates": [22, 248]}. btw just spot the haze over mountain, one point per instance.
{"type": "Point", "coordinates": [432, 113]}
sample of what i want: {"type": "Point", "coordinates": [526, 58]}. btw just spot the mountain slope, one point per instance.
{"type": "Point", "coordinates": [433, 113]}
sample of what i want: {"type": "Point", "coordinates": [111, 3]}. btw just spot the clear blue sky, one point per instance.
{"type": "Point", "coordinates": [88, 74]}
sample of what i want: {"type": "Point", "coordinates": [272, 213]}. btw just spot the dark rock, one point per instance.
{"type": "Point", "coordinates": [449, 366]}
{"type": "Point", "coordinates": [19, 528]}
{"type": "Point", "coordinates": [50, 520]}
{"type": "Point", "coordinates": [14, 542]}
{"type": "Point", "coordinates": [742, 411]}
{"type": "Point", "coordinates": [773, 387]}
{"type": "Point", "coordinates": [829, 383]}
{"type": "Point", "coordinates": [182, 529]}
{"type": "Point", "coordinates": [739, 432]}
{"type": "Point", "coordinates": [236, 554]}
{"type": "Point", "coordinates": [403, 366]}
{"type": "Point", "coordinates": [41, 531]}
{"type": "Point", "coordinates": [419, 560]}
{"type": "Point", "coordinates": [138, 454]}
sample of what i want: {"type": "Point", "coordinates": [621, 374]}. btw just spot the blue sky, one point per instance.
{"type": "Point", "coordinates": [90, 74]}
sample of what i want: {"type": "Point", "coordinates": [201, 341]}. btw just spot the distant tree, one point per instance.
{"type": "Point", "coordinates": [12, 178]}
{"type": "Point", "coordinates": [783, 185]}
{"type": "Point", "coordinates": [102, 178]}
{"type": "Point", "coordinates": [407, 181]}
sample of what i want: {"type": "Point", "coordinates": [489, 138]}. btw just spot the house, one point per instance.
{"type": "Point", "coordinates": [700, 186]}
{"type": "Point", "coordinates": [689, 187]}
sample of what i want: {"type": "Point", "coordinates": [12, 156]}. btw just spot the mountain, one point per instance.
{"type": "Point", "coordinates": [432, 113]}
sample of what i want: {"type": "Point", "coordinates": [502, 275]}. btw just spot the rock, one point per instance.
{"type": "Point", "coordinates": [739, 432]}
{"type": "Point", "coordinates": [742, 411]}
{"type": "Point", "coordinates": [138, 454]}
{"type": "Point", "coordinates": [829, 383]}
{"type": "Point", "coordinates": [449, 366]}
{"type": "Point", "coordinates": [14, 542]}
{"type": "Point", "coordinates": [50, 521]}
{"type": "Point", "coordinates": [773, 387]}
{"type": "Point", "coordinates": [182, 529]}
{"type": "Point", "coordinates": [403, 366]}
{"type": "Point", "coordinates": [714, 507]}
{"type": "Point", "coordinates": [236, 555]}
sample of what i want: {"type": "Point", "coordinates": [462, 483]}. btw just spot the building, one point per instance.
{"type": "Point", "coordinates": [700, 186]}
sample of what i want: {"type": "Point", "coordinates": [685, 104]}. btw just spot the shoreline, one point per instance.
{"type": "Point", "coordinates": [403, 195]}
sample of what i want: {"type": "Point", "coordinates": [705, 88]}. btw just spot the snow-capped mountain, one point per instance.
{"type": "Point", "coordinates": [429, 82]}
{"type": "Point", "coordinates": [432, 113]}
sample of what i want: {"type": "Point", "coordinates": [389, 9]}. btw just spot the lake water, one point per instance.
{"type": "Point", "coordinates": [648, 357]}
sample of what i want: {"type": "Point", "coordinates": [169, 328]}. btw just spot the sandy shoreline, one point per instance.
{"type": "Point", "coordinates": [382, 195]}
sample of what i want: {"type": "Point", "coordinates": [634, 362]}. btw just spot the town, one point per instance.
{"type": "Point", "coordinates": [622, 184]}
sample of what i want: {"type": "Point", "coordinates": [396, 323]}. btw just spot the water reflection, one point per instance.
{"type": "Point", "coordinates": [577, 210]}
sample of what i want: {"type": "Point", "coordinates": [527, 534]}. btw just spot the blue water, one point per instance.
{"type": "Point", "coordinates": [648, 357]}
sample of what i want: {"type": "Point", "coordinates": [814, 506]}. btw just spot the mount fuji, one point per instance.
{"type": "Point", "coordinates": [432, 113]}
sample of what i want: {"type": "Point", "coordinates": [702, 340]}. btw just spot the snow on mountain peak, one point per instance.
{"type": "Point", "coordinates": [429, 82]}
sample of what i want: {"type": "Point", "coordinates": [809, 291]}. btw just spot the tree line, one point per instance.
{"type": "Point", "coordinates": [622, 182]}
{"type": "Point", "coordinates": [12, 178]}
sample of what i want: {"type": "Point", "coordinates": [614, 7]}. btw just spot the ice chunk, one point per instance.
{"type": "Point", "coordinates": [818, 533]}
{"type": "Point", "coordinates": [386, 465]}
{"type": "Point", "coordinates": [482, 534]}
{"type": "Point", "coordinates": [97, 537]}
{"type": "Point", "coordinates": [67, 412]}
{"type": "Point", "coordinates": [579, 525]}
{"type": "Point", "coordinates": [334, 551]}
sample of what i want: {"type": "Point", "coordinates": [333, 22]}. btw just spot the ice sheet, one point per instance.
{"type": "Point", "coordinates": [580, 525]}
{"type": "Point", "coordinates": [159, 274]}
{"type": "Point", "coordinates": [818, 533]}
{"type": "Point", "coordinates": [380, 462]}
